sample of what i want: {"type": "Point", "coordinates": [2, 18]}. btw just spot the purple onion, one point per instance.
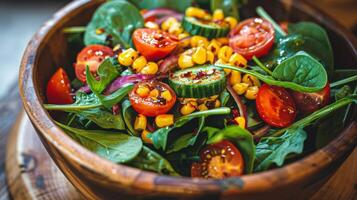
{"type": "Point", "coordinates": [261, 132]}
{"type": "Point", "coordinates": [241, 107]}
{"type": "Point", "coordinates": [84, 89]}
{"type": "Point", "coordinates": [121, 81]}
{"type": "Point", "coordinates": [168, 63]}
{"type": "Point", "coordinates": [162, 14]}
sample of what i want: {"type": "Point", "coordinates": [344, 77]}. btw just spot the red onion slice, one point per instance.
{"type": "Point", "coordinates": [241, 107]}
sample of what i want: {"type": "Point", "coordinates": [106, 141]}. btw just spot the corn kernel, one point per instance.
{"type": "Point", "coordinates": [187, 109]}
{"type": "Point", "coordinates": [185, 61]}
{"type": "Point", "coordinates": [210, 57]}
{"type": "Point", "coordinates": [251, 92]}
{"type": "Point", "coordinates": [220, 61]}
{"type": "Point", "coordinates": [127, 57]}
{"type": "Point", "coordinates": [218, 14]}
{"type": "Point", "coordinates": [251, 80]}
{"type": "Point", "coordinates": [240, 121]}
{"type": "Point", "coordinates": [143, 91]}
{"type": "Point", "coordinates": [200, 56]}
{"type": "Point", "coordinates": [235, 77]}
{"type": "Point", "coordinates": [150, 68]}
{"type": "Point", "coordinates": [140, 122]}
{"type": "Point", "coordinates": [166, 95]}
{"type": "Point", "coordinates": [214, 46]}
{"type": "Point", "coordinates": [240, 88]}
{"type": "Point", "coordinates": [195, 12]}
{"type": "Point", "coordinates": [225, 53]}
{"type": "Point", "coordinates": [164, 120]}
{"type": "Point", "coordinates": [145, 138]}
{"type": "Point", "coordinates": [154, 93]}
{"type": "Point", "coordinates": [151, 25]}
{"type": "Point", "coordinates": [223, 40]}
{"type": "Point", "coordinates": [183, 35]}
{"type": "Point", "coordinates": [175, 29]}
{"type": "Point", "coordinates": [238, 60]}
{"type": "Point", "coordinates": [99, 31]}
{"type": "Point", "coordinates": [199, 41]}
{"type": "Point", "coordinates": [139, 63]}
{"type": "Point", "coordinates": [217, 103]}
{"type": "Point", "coordinates": [231, 21]}
{"type": "Point", "coordinates": [168, 23]}
{"type": "Point", "coordinates": [194, 103]}
{"type": "Point", "coordinates": [202, 107]}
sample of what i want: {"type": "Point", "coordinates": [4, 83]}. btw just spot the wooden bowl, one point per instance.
{"type": "Point", "coordinates": [98, 178]}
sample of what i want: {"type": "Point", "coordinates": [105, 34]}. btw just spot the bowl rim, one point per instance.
{"type": "Point", "coordinates": [132, 177]}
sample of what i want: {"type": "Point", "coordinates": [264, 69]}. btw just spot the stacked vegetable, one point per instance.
{"type": "Point", "coordinates": [185, 94]}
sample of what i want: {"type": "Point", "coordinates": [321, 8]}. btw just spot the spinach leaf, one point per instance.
{"type": "Point", "coordinates": [152, 161]}
{"type": "Point", "coordinates": [129, 115]}
{"type": "Point", "coordinates": [240, 137]}
{"type": "Point", "coordinates": [229, 7]}
{"type": "Point", "coordinates": [114, 146]}
{"type": "Point", "coordinates": [180, 6]}
{"type": "Point", "coordinates": [112, 99]}
{"type": "Point", "coordinates": [160, 136]}
{"type": "Point", "coordinates": [273, 150]}
{"type": "Point", "coordinates": [83, 102]}
{"type": "Point", "coordinates": [224, 97]}
{"type": "Point", "coordinates": [118, 20]}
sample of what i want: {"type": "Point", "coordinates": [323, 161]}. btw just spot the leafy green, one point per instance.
{"type": "Point", "coordinates": [83, 102]}
{"type": "Point", "coordinates": [152, 161]}
{"type": "Point", "coordinates": [240, 137]}
{"type": "Point", "coordinates": [224, 97]}
{"type": "Point", "coordinates": [172, 4]}
{"type": "Point", "coordinates": [273, 150]}
{"type": "Point", "coordinates": [342, 92]}
{"type": "Point", "coordinates": [118, 20]}
{"type": "Point", "coordinates": [114, 146]}
{"type": "Point", "coordinates": [129, 116]}
{"type": "Point", "coordinates": [112, 99]}
{"type": "Point", "coordinates": [229, 7]}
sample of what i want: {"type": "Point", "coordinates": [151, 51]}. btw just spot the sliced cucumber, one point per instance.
{"type": "Point", "coordinates": [209, 30]}
{"type": "Point", "coordinates": [198, 82]}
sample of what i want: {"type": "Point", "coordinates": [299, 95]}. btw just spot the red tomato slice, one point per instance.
{"type": "Point", "coordinates": [275, 106]}
{"type": "Point", "coordinates": [147, 19]}
{"type": "Point", "coordinates": [310, 102]}
{"type": "Point", "coordinates": [93, 56]}
{"type": "Point", "coordinates": [220, 160]}
{"type": "Point", "coordinates": [154, 44]}
{"type": "Point", "coordinates": [152, 106]}
{"type": "Point", "coordinates": [59, 88]}
{"type": "Point", "coordinates": [252, 37]}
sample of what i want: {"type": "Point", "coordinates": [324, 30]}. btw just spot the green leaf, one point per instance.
{"type": "Point", "coordinates": [240, 137]}
{"type": "Point", "coordinates": [83, 102]}
{"type": "Point", "coordinates": [114, 146]}
{"type": "Point", "coordinates": [129, 115]}
{"type": "Point", "coordinates": [224, 97]}
{"type": "Point", "coordinates": [273, 150]}
{"type": "Point", "coordinates": [229, 7]}
{"type": "Point", "coordinates": [180, 6]}
{"type": "Point", "coordinates": [118, 19]}
{"type": "Point", "coordinates": [112, 99]}
{"type": "Point", "coordinates": [152, 161]}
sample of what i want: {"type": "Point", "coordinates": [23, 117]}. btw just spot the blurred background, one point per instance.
{"type": "Point", "coordinates": [19, 19]}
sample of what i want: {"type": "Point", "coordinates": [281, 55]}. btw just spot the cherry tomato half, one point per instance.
{"type": "Point", "coordinates": [275, 106]}
{"type": "Point", "coordinates": [93, 56]}
{"type": "Point", "coordinates": [59, 88]}
{"type": "Point", "coordinates": [152, 98]}
{"type": "Point", "coordinates": [252, 37]}
{"type": "Point", "coordinates": [310, 102]}
{"type": "Point", "coordinates": [154, 44]}
{"type": "Point", "coordinates": [220, 160]}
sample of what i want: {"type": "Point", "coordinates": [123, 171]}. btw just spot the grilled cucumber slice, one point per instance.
{"type": "Point", "coordinates": [198, 82]}
{"type": "Point", "coordinates": [208, 29]}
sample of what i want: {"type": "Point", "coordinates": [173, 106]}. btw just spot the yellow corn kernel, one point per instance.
{"type": "Point", "coordinates": [150, 68]}
{"type": "Point", "coordinates": [183, 35]}
{"type": "Point", "coordinates": [214, 46]}
{"type": "Point", "coordinates": [168, 23]}
{"type": "Point", "coordinates": [251, 80]}
{"type": "Point", "coordinates": [210, 57]}
{"type": "Point", "coordinates": [143, 91]}
{"type": "Point", "coordinates": [145, 138]}
{"type": "Point", "coordinates": [166, 95]}
{"type": "Point", "coordinates": [218, 14]}
{"type": "Point", "coordinates": [225, 53]}
{"type": "Point", "coordinates": [240, 121]}
{"type": "Point", "coordinates": [231, 21]}
{"type": "Point", "coordinates": [127, 57]}
{"type": "Point", "coordinates": [199, 41]}
{"type": "Point", "coordinates": [185, 61]}
{"type": "Point", "coordinates": [238, 60]}
{"type": "Point", "coordinates": [217, 103]}
{"type": "Point", "coordinates": [223, 40]}
{"type": "Point", "coordinates": [235, 77]}
{"type": "Point", "coordinates": [194, 103]}
{"type": "Point", "coordinates": [187, 109]}
{"type": "Point", "coordinates": [164, 120]}
{"type": "Point", "coordinates": [251, 92]}
{"type": "Point", "coordinates": [202, 107]}
{"type": "Point", "coordinates": [195, 12]}
{"type": "Point", "coordinates": [175, 29]}
{"type": "Point", "coordinates": [154, 93]}
{"type": "Point", "coordinates": [240, 88]}
{"type": "Point", "coordinates": [200, 56]}
{"type": "Point", "coordinates": [140, 122]}
{"type": "Point", "coordinates": [151, 25]}
{"type": "Point", "coordinates": [139, 63]}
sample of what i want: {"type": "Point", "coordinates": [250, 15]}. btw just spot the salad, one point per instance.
{"type": "Point", "coordinates": [192, 88]}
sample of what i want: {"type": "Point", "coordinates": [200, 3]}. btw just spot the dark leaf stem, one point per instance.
{"type": "Point", "coordinates": [263, 14]}
{"type": "Point", "coordinates": [262, 66]}
{"type": "Point", "coordinates": [344, 81]}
